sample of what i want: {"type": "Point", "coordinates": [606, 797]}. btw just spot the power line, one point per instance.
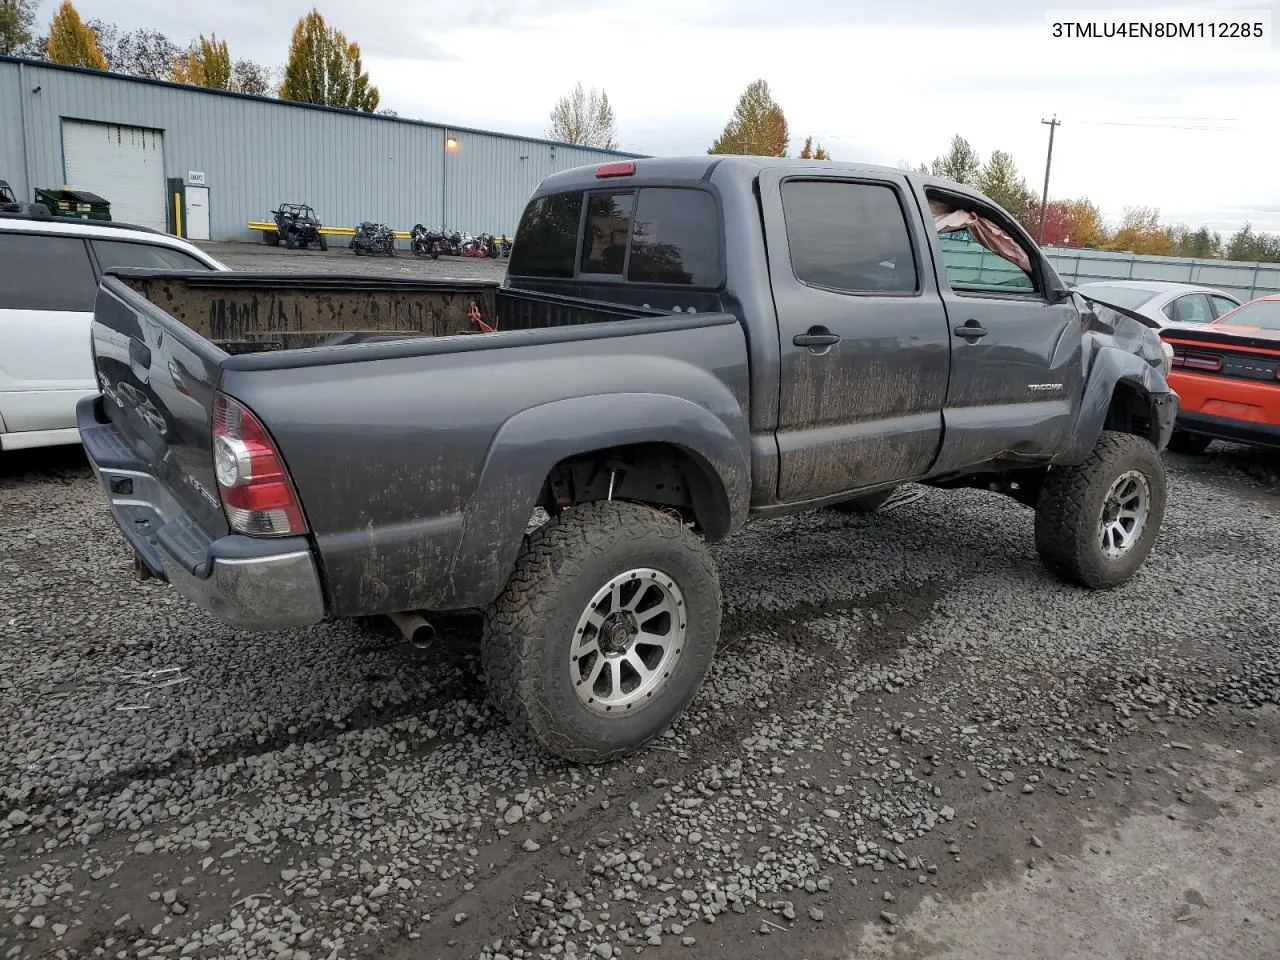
{"type": "Point", "coordinates": [1152, 126]}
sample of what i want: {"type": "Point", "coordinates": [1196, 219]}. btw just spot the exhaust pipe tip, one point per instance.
{"type": "Point", "coordinates": [414, 627]}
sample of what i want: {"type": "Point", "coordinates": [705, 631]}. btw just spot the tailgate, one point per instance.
{"type": "Point", "coordinates": [158, 380]}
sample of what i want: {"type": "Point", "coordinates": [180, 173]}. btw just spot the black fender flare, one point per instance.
{"type": "Point", "coordinates": [1114, 367]}
{"type": "Point", "coordinates": [528, 445]}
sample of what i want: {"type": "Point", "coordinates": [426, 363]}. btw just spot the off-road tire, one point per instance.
{"type": "Point", "coordinates": [1069, 512]}
{"type": "Point", "coordinates": [323, 242]}
{"type": "Point", "coordinates": [528, 630]}
{"type": "Point", "coordinates": [1192, 444]}
{"type": "Point", "coordinates": [868, 504]}
{"type": "Point", "coordinates": [271, 238]}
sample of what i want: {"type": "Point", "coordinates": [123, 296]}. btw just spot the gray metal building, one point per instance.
{"type": "Point", "coordinates": [204, 163]}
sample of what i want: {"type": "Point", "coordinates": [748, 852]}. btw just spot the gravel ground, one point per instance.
{"type": "Point", "coordinates": [903, 705]}
{"type": "Point", "coordinates": [905, 708]}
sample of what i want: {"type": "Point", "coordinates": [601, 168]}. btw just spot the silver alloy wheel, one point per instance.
{"type": "Point", "coordinates": [1124, 514]}
{"type": "Point", "coordinates": [627, 641]}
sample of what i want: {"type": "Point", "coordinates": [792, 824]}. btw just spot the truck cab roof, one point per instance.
{"type": "Point", "coordinates": [701, 168]}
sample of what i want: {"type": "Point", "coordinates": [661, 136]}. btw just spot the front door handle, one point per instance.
{"type": "Point", "coordinates": [970, 330]}
{"type": "Point", "coordinates": [816, 339]}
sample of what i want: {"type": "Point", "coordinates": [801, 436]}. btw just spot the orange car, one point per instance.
{"type": "Point", "coordinates": [1227, 374]}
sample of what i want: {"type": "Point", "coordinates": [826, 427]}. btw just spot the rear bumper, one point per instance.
{"type": "Point", "coordinates": [255, 584]}
{"type": "Point", "coordinates": [1234, 431]}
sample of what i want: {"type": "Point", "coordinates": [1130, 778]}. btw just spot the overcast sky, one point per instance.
{"type": "Point", "coordinates": [1190, 127]}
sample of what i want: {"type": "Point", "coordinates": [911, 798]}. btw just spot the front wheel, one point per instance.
{"type": "Point", "coordinates": [604, 632]}
{"type": "Point", "coordinates": [1096, 522]}
{"type": "Point", "coordinates": [323, 242]}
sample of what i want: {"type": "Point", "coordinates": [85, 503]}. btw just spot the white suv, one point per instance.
{"type": "Point", "coordinates": [49, 270]}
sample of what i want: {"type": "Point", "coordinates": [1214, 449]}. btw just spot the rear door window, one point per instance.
{"type": "Point", "coordinates": [546, 243]}
{"type": "Point", "coordinates": [1192, 308]}
{"type": "Point", "coordinates": [41, 272]}
{"type": "Point", "coordinates": [1222, 305]}
{"type": "Point", "coordinates": [848, 237]}
{"type": "Point", "coordinates": [118, 253]}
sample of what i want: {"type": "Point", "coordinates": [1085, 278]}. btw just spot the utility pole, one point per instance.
{"type": "Point", "coordinates": [1048, 160]}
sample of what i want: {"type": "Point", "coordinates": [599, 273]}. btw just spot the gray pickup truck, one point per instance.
{"type": "Point", "coordinates": [679, 345]}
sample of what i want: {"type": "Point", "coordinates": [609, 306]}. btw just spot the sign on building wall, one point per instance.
{"type": "Point", "coordinates": [196, 177]}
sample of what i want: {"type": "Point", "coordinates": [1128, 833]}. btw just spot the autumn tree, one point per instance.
{"type": "Point", "coordinates": [72, 42]}
{"type": "Point", "coordinates": [326, 68]}
{"type": "Point", "coordinates": [1057, 225]}
{"type": "Point", "coordinates": [1086, 223]}
{"type": "Point", "coordinates": [757, 127]}
{"type": "Point", "coordinates": [17, 17]}
{"type": "Point", "coordinates": [206, 64]}
{"type": "Point", "coordinates": [585, 118]}
{"type": "Point", "coordinates": [1141, 232]}
{"type": "Point", "coordinates": [810, 152]}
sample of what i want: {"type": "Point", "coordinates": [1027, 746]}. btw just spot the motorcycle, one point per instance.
{"type": "Point", "coordinates": [425, 243]}
{"type": "Point", "coordinates": [473, 246]}
{"type": "Point", "coordinates": [450, 243]}
{"type": "Point", "coordinates": [504, 246]}
{"type": "Point", "coordinates": [372, 239]}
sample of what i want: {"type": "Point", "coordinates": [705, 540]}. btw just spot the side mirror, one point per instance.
{"type": "Point", "coordinates": [1060, 294]}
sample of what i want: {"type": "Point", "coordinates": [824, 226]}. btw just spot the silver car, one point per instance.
{"type": "Point", "coordinates": [1162, 301]}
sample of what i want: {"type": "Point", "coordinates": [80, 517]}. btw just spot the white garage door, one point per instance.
{"type": "Point", "coordinates": [124, 165]}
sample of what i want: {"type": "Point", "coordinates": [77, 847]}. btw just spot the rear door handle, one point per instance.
{"type": "Point", "coordinates": [816, 338]}
{"type": "Point", "coordinates": [970, 330]}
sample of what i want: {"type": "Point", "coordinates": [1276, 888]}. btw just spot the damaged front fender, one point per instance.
{"type": "Point", "coordinates": [1125, 362]}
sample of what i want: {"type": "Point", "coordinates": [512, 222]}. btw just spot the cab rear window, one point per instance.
{"type": "Point", "coordinates": [652, 235]}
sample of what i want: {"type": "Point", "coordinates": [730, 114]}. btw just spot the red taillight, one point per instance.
{"type": "Point", "coordinates": [256, 491]}
{"type": "Point", "coordinates": [1195, 361]}
{"type": "Point", "coordinates": [624, 169]}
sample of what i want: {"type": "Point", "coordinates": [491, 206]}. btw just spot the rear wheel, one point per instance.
{"type": "Point", "coordinates": [1190, 443]}
{"type": "Point", "coordinates": [868, 504]}
{"type": "Point", "coordinates": [323, 242]}
{"type": "Point", "coordinates": [604, 631]}
{"type": "Point", "coordinates": [1097, 522]}
{"type": "Point", "coordinates": [271, 238]}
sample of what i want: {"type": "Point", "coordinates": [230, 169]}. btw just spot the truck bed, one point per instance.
{"type": "Point", "coordinates": [395, 449]}
{"type": "Point", "coordinates": [260, 313]}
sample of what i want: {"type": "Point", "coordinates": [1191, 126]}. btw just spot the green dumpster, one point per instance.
{"type": "Point", "coordinates": [74, 203]}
